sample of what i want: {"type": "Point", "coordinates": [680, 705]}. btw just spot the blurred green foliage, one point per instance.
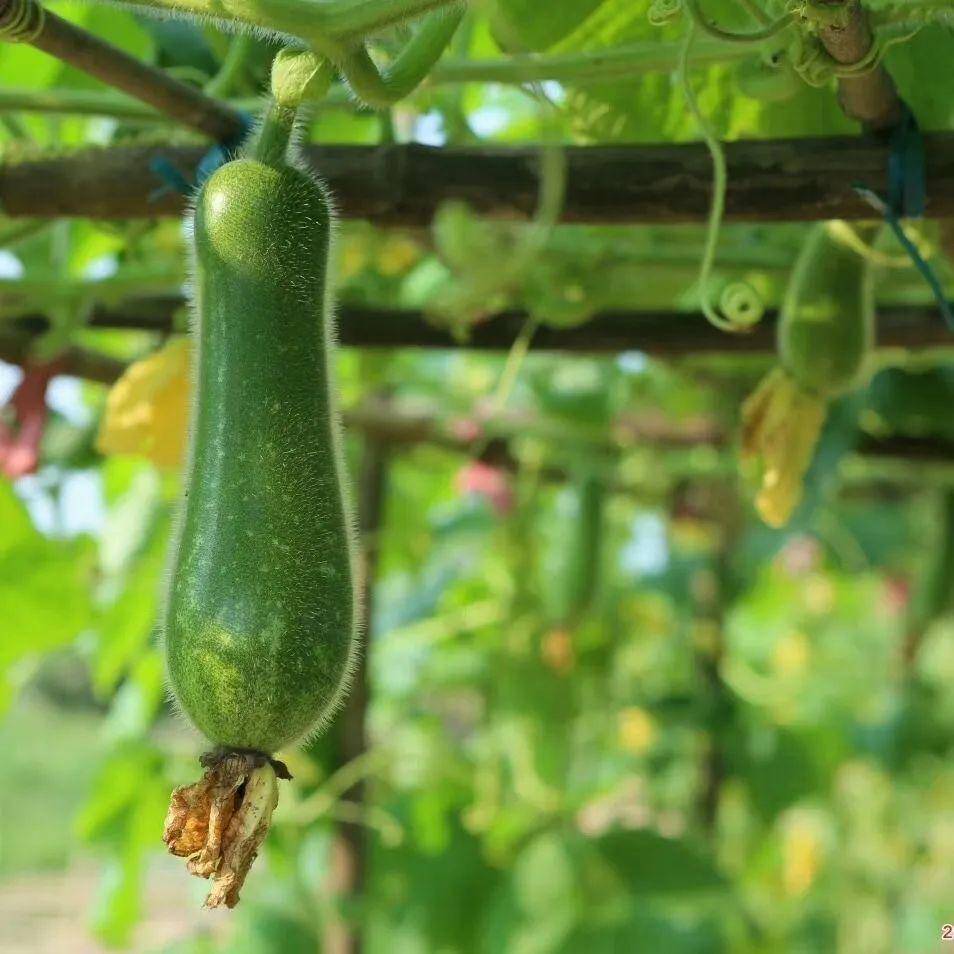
{"type": "Point", "coordinates": [609, 711]}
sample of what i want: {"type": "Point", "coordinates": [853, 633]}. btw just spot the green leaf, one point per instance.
{"type": "Point", "coordinates": [125, 627]}
{"type": "Point", "coordinates": [916, 403]}
{"type": "Point", "coordinates": [652, 865]}
{"type": "Point", "coordinates": [125, 813]}
{"type": "Point", "coordinates": [645, 932]}
{"type": "Point", "coordinates": [519, 23]}
{"type": "Point", "coordinates": [118, 788]}
{"type": "Point", "coordinates": [544, 876]}
{"type": "Point", "coordinates": [44, 599]}
{"type": "Point", "coordinates": [271, 930]}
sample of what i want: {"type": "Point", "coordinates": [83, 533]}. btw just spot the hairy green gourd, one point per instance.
{"type": "Point", "coordinates": [259, 625]}
{"type": "Point", "coordinates": [826, 328]}
{"type": "Point", "coordinates": [825, 335]}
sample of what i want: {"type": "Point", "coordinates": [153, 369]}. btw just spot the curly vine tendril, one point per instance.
{"type": "Point", "coordinates": [739, 303]}
{"type": "Point", "coordinates": [756, 36]}
{"type": "Point", "coordinates": [23, 21]}
{"type": "Point", "coordinates": [817, 67]}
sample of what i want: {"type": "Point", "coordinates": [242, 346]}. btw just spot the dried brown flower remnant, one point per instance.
{"type": "Point", "coordinates": [219, 822]}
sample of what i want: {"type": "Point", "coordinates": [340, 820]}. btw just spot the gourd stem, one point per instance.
{"type": "Point", "coordinates": [270, 144]}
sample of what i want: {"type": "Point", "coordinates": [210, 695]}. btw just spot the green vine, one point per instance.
{"type": "Point", "coordinates": [694, 10]}
{"type": "Point", "coordinates": [818, 68]}
{"type": "Point", "coordinates": [381, 88]}
{"type": "Point", "coordinates": [233, 63]}
{"type": "Point", "coordinates": [332, 27]}
{"type": "Point", "coordinates": [739, 303]}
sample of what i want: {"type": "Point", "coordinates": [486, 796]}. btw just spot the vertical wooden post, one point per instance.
{"type": "Point", "coordinates": [712, 593]}
{"type": "Point", "coordinates": [349, 849]}
{"type": "Point", "coordinates": [871, 97]}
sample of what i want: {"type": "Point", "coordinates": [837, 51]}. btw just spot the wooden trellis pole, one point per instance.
{"type": "Point", "coordinates": [768, 181]}
{"type": "Point", "coordinates": [660, 333]}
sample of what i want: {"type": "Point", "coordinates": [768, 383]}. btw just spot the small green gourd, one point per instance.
{"type": "Point", "coordinates": [825, 335]}
{"type": "Point", "coordinates": [259, 623]}
{"type": "Point", "coordinates": [826, 329]}
{"type": "Point", "coordinates": [260, 619]}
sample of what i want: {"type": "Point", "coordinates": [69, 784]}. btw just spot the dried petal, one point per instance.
{"type": "Point", "coordinates": [219, 822]}
{"type": "Point", "coordinates": [246, 832]}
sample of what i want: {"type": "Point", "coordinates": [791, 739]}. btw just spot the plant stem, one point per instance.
{"type": "Point", "coordinates": [84, 102]}
{"type": "Point", "coordinates": [756, 36]}
{"type": "Point", "coordinates": [321, 24]}
{"type": "Point", "coordinates": [592, 66]}
{"type": "Point", "coordinates": [381, 88]}
{"type": "Point", "coordinates": [175, 99]}
{"type": "Point", "coordinates": [906, 12]}
{"type": "Point", "coordinates": [231, 67]}
{"type": "Point", "coordinates": [270, 144]}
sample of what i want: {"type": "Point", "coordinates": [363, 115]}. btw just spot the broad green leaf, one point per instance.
{"type": "Point", "coordinates": [652, 865]}
{"type": "Point", "coordinates": [519, 24]}
{"type": "Point", "coordinates": [44, 598]}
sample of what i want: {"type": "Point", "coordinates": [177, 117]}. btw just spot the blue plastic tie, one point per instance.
{"type": "Point", "coordinates": [907, 198]}
{"type": "Point", "coordinates": [174, 181]}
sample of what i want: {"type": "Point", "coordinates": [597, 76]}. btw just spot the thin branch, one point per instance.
{"type": "Point", "coordinates": [871, 97]}
{"type": "Point", "coordinates": [179, 101]}
{"type": "Point", "coordinates": [768, 181]}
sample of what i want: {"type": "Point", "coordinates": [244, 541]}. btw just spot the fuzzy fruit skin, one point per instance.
{"type": "Point", "coordinates": [826, 328]}
{"type": "Point", "coordinates": [259, 624]}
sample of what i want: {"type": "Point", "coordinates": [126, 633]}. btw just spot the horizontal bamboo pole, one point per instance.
{"type": "Point", "coordinates": [769, 181]}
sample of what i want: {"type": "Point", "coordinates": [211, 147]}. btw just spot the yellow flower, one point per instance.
{"type": "Point", "coordinates": [147, 410]}
{"type": "Point", "coordinates": [397, 254]}
{"type": "Point", "coordinates": [791, 655]}
{"type": "Point", "coordinates": [352, 257]}
{"type": "Point", "coordinates": [803, 853]}
{"type": "Point", "coordinates": [781, 424]}
{"type": "Point", "coordinates": [636, 730]}
{"type": "Point", "coordinates": [557, 651]}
